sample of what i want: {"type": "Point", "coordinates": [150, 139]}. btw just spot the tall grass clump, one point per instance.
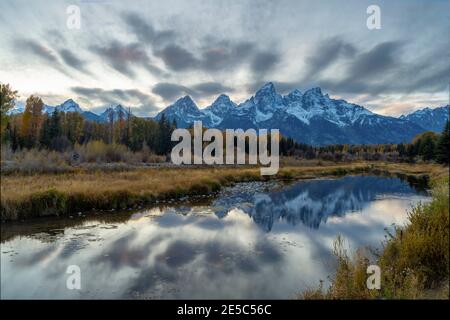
{"type": "Point", "coordinates": [30, 161]}
{"type": "Point", "coordinates": [414, 261]}
{"type": "Point", "coordinates": [94, 155]}
{"type": "Point", "coordinates": [100, 152]}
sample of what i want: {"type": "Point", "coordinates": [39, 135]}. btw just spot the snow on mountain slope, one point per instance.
{"type": "Point", "coordinates": [314, 104]}
{"type": "Point", "coordinates": [218, 110]}
{"type": "Point", "coordinates": [67, 106]}
{"type": "Point", "coordinates": [18, 108]}
{"type": "Point", "coordinates": [184, 111]}
{"type": "Point", "coordinates": [266, 102]}
{"type": "Point", "coordinates": [429, 119]}
{"type": "Point", "coordinates": [311, 117]}
{"type": "Point", "coordinates": [115, 112]}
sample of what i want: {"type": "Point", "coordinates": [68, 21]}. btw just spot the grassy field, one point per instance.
{"type": "Point", "coordinates": [34, 195]}
{"type": "Point", "coordinates": [414, 261]}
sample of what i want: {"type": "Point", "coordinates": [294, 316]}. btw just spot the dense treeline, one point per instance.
{"type": "Point", "coordinates": [61, 131]}
{"type": "Point", "coordinates": [427, 146]}
{"type": "Point", "coordinates": [68, 131]}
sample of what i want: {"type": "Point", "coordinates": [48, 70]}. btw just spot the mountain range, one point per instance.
{"type": "Point", "coordinates": [310, 117]}
{"type": "Point", "coordinates": [115, 111]}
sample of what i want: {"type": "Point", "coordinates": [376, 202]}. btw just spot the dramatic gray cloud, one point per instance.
{"type": "Point", "coordinates": [37, 49]}
{"type": "Point", "coordinates": [166, 49]}
{"type": "Point", "coordinates": [41, 51]}
{"type": "Point", "coordinates": [57, 59]}
{"type": "Point", "coordinates": [380, 59]}
{"type": "Point", "coordinates": [145, 32]}
{"type": "Point", "coordinates": [172, 91]}
{"type": "Point", "coordinates": [382, 70]}
{"type": "Point", "coordinates": [325, 54]}
{"type": "Point", "coordinates": [432, 81]}
{"type": "Point", "coordinates": [177, 58]}
{"type": "Point", "coordinates": [71, 60]}
{"type": "Point", "coordinates": [225, 55]}
{"type": "Point", "coordinates": [125, 57]}
{"type": "Point", "coordinates": [137, 98]}
{"type": "Point", "coordinates": [219, 56]}
{"type": "Point", "coordinates": [211, 88]}
{"type": "Point", "coordinates": [264, 61]}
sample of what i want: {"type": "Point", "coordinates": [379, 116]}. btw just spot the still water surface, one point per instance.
{"type": "Point", "coordinates": [253, 240]}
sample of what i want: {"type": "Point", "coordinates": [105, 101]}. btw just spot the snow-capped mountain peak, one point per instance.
{"type": "Point", "coordinates": [222, 99]}
{"type": "Point", "coordinates": [222, 104]}
{"type": "Point", "coordinates": [116, 112]}
{"type": "Point", "coordinates": [294, 95]}
{"type": "Point", "coordinates": [218, 110]}
{"type": "Point", "coordinates": [266, 89]}
{"type": "Point", "coordinates": [267, 96]}
{"type": "Point", "coordinates": [187, 104]}
{"type": "Point", "coordinates": [68, 106]}
{"type": "Point", "coordinates": [265, 103]}
{"type": "Point", "coordinates": [314, 92]}
{"type": "Point", "coordinates": [184, 111]}
{"type": "Point", "coordinates": [18, 108]}
{"type": "Point", "coordinates": [428, 118]}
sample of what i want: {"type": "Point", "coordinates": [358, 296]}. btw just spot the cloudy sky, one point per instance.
{"type": "Point", "coordinates": [146, 54]}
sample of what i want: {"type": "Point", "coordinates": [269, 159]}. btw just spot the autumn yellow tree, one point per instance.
{"type": "Point", "coordinates": [7, 101]}
{"type": "Point", "coordinates": [32, 121]}
{"type": "Point", "coordinates": [72, 126]}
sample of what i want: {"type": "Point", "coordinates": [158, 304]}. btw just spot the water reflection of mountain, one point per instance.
{"type": "Point", "coordinates": [312, 202]}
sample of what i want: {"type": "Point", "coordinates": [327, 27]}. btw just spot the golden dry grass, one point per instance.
{"type": "Point", "coordinates": [22, 195]}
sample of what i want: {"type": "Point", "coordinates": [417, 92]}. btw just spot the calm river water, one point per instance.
{"type": "Point", "coordinates": [253, 240]}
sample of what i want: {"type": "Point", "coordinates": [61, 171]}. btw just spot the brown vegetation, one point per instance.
{"type": "Point", "coordinates": [34, 195]}
{"type": "Point", "coordinates": [414, 261]}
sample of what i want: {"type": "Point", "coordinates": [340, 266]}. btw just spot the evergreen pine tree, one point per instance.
{"type": "Point", "coordinates": [427, 148]}
{"type": "Point", "coordinates": [45, 138]}
{"type": "Point", "coordinates": [443, 146]}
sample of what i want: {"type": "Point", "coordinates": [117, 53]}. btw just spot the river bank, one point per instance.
{"type": "Point", "coordinates": [228, 245]}
{"type": "Point", "coordinates": [414, 260]}
{"type": "Point", "coordinates": [27, 196]}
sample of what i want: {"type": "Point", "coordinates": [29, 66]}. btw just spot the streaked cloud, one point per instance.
{"type": "Point", "coordinates": [172, 91]}
{"type": "Point", "coordinates": [73, 61]}
{"type": "Point", "coordinates": [125, 57]}
{"type": "Point", "coordinates": [37, 49]}
{"type": "Point", "coordinates": [151, 53]}
{"type": "Point", "coordinates": [129, 97]}
{"type": "Point", "coordinates": [145, 32]}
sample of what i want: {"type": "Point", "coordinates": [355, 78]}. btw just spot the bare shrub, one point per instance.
{"type": "Point", "coordinates": [36, 161]}
{"type": "Point", "coordinates": [100, 152]}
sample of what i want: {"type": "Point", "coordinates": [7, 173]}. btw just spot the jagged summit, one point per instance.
{"type": "Point", "coordinates": [69, 106]}
{"type": "Point", "coordinates": [115, 112]}
{"type": "Point", "coordinates": [184, 111]}
{"type": "Point", "coordinates": [314, 92]}
{"type": "Point", "coordinates": [223, 98]}
{"type": "Point", "coordinates": [215, 113]}
{"type": "Point", "coordinates": [266, 89]}
{"type": "Point", "coordinates": [310, 117]}
{"type": "Point", "coordinates": [428, 118]}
